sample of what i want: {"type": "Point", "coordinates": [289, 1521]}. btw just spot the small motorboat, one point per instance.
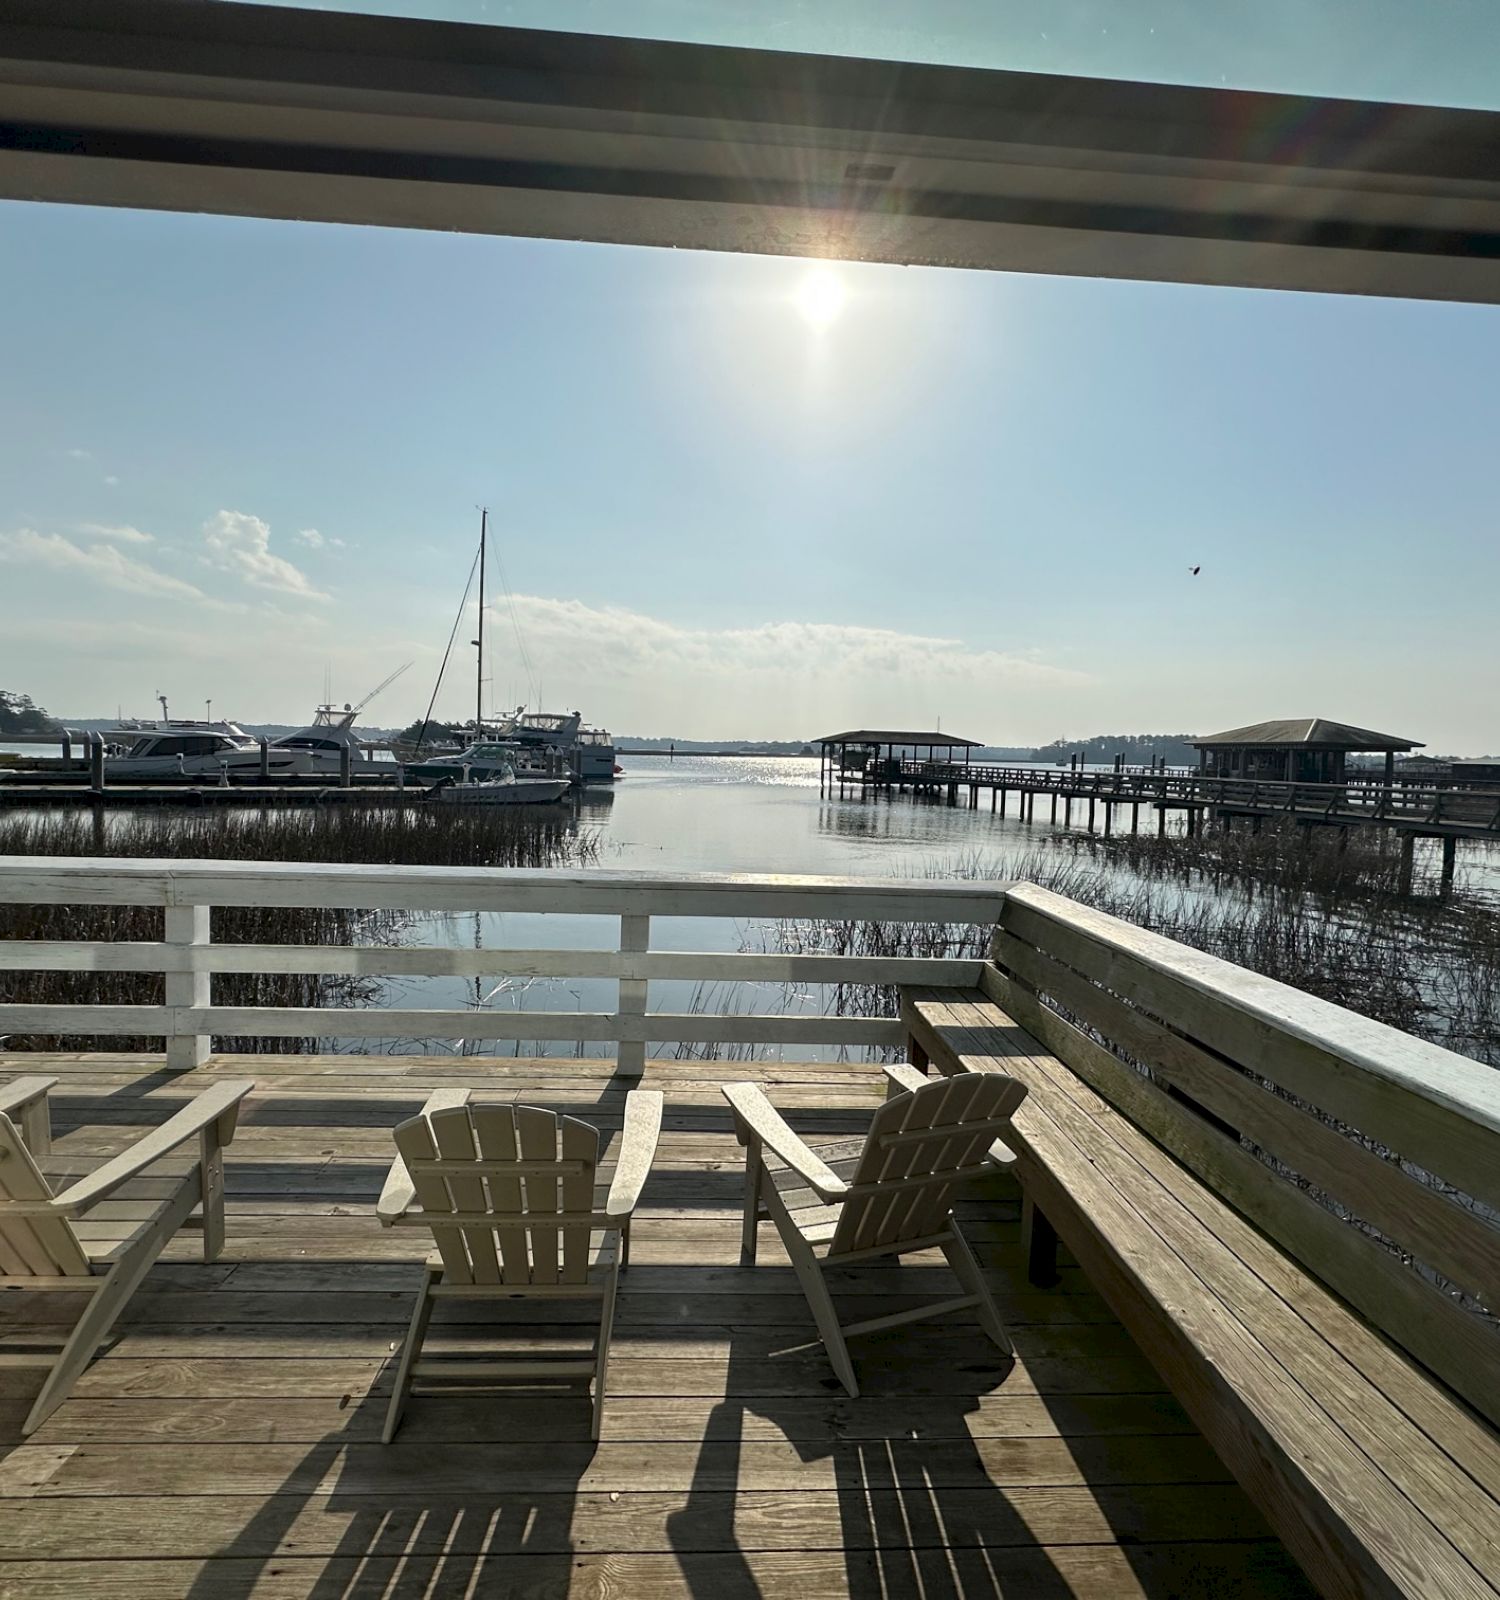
{"type": "Point", "coordinates": [504, 790]}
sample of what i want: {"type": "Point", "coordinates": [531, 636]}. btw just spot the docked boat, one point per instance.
{"type": "Point", "coordinates": [507, 789]}
{"type": "Point", "coordinates": [202, 752]}
{"type": "Point", "coordinates": [487, 761]}
{"type": "Point", "coordinates": [323, 742]}
{"type": "Point", "coordinates": [588, 752]}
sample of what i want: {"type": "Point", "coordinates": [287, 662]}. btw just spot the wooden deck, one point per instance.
{"type": "Point", "coordinates": [226, 1445]}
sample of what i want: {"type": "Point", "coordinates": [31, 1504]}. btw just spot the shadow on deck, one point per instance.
{"type": "Point", "coordinates": [226, 1444]}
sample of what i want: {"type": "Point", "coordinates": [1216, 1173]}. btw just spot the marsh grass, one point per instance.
{"type": "Point", "coordinates": [1326, 920]}
{"type": "Point", "coordinates": [408, 836]}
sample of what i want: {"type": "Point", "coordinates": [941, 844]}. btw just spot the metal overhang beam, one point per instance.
{"type": "Point", "coordinates": [199, 105]}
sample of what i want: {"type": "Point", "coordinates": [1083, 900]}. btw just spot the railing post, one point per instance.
{"type": "Point", "coordinates": [635, 939]}
{"type": "Point", "coordinates": [187, 927]}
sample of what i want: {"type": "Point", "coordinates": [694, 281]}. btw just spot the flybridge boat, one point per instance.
{"type": "Point", "coordinates": [590, 752]}
{"type": "Point", "coordinates": [322, 743]}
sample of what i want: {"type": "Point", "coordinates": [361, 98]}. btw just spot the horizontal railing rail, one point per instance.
{"type": "Point", "coordinates": [1474, 810]}
{"type": "Point", "coordinates": [188, 959]}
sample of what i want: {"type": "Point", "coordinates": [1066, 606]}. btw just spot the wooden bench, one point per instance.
{"type": "Point", "coordinates": [1335, 1351]}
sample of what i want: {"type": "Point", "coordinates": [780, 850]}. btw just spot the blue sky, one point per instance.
{"type": "Point", "coordinates": [1441, 52]}
{"type": "Point", "coordinates": [235, 455]}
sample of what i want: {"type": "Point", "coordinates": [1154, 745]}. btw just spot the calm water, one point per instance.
{"type": "Point", "coordinates": [713, 814]}
{"type": "Point", "coordinates": [763, 814]}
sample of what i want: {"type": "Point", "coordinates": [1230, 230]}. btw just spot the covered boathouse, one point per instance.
{"type": "Point", "coordinates": [860, 755]}
{"type": "Point", "coordinates": [1303, 750]}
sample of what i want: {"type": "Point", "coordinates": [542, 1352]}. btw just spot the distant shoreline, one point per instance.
{"type": "Point", "coordinates": [775, 755]}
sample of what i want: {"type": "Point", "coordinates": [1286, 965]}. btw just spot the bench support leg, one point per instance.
{"type": "Point", "coordinates": [1039, 1242]}
{"type": "Point", "coordinates": [915, 1054]}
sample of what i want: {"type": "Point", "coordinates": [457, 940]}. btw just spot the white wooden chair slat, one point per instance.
{"type": "Point", "coordinates": [416, 1144]}
{"type": "Point", "coordinates": [869, 1220]}
{"type": "Point", "coordinates": [536, 1137]}
{"type": "Point", "coordinates": [579, 1143]}
{"type": "Point", "coordinates": [453, 1134]}
{"type": "Point", "coordinates": [894, 1196]}
{"type": "Point", "coordinates": [527, 1231]}
{"type": "Point", "coordinates": [495, 1134]}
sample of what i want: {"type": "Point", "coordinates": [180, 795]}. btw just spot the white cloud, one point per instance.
{"type": "Point", "coordinates": [122, 533]}
{"type": "Point", "coordinates": [318, 541]}
{"type": "Point", "coordinates": [112, 481]}
{"type": "Point", "coordinates": [631, 642]}
{"type": "Point", "coordinates": [101, 562]}
{"type": "Point", "coordinates": [240, 544]}
{"type": "Point", "coordinates": [773, 679]}
{"type": "Point", "coordinates": [79, 455]}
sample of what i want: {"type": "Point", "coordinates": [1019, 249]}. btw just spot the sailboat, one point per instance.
{"type": "Point", "coordinates": [486, 772]}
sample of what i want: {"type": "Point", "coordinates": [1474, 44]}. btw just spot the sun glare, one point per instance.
{"type": "Point", "coordinates": [820, 297]}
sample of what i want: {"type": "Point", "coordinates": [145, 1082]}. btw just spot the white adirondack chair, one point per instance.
{"type": "Point", "coordinates": [510, 1196]}
{"type": "Point", "coordinates": [883, 1195]}
{"type": "Point", "coordinates": [41, 1249]}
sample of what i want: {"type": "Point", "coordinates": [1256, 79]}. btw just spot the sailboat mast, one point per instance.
{"type": "Point", "coordinates": [484, 526]}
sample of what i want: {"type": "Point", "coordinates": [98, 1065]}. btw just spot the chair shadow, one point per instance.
{"type": "Point", "coordinates": [917, 1510]}
{"type": "Point", "coordinates": [929, 1505]}
{"type": "Point", "coordinates": [427, 1517]}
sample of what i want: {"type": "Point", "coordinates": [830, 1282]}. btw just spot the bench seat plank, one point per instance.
{"type": "Point", "coordinates": [1348, 1445]}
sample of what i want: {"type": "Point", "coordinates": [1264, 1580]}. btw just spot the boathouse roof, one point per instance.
{"type": "Point", "coordinates": [1315, 732]}
{"type": "Point", "coordinates": [899, 736]}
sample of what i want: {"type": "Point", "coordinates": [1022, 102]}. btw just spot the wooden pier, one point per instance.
{"type": "Point", "coordinates": [1106, 801]}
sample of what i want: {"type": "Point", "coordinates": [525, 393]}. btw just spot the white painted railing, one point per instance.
{"type": "Point", "coordinates": [188, 958]}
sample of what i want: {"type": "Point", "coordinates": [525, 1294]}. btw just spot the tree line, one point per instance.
{"type": "Point", "coordinates": [1139, 749]}
{"type": "Point", "coordinates": [19, 713]}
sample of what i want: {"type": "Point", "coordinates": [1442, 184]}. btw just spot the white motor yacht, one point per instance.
{"type": "Point", "coordinates": [589, 752]}
{"type": "Point", "coordinates": [200, 752]}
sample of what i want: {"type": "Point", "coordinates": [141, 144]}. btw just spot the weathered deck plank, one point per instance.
{"type": "Point", "coordinates": [225, 1444]}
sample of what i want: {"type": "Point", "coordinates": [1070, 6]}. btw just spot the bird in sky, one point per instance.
{"type": "Point", "coordinates": [1195, 570]}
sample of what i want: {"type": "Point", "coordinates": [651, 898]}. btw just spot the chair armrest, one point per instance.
{"type": "Point", "coordinates": [399, 1194]}
{"type": "Point", "coordinates": [757, 1117]}
{"type": "Point", "coordinates": [902, 1077]}
{"type": "Point", "coordinates": [25, 1102]}
{"type": "Point", "coordinates": [637, 1151]}
{"type": "Point", "coordinates": [216, 1105]}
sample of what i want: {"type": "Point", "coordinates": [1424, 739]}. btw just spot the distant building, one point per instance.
{"type": "Point", "coordinates": [1306, 750]}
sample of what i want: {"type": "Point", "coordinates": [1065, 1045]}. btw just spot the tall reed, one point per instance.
{"type": "Point", "coordinates": [1326, 920]}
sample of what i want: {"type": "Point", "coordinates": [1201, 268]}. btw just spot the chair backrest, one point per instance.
{"type": "Point", "coordinates": [918, 1144]}
{"type": "Point", "coordinates": [32, 1247]}
{"type": "Point", "coordinates": [520, 1182]}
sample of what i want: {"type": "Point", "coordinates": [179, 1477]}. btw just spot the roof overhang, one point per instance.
{"type": "Point", "coordinates": [198, 105]}
{"type": "Point", "coordinates": [902, 736]}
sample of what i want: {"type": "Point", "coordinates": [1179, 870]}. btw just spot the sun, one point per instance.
{"type": "Point", "coordinates": [820, 297]}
